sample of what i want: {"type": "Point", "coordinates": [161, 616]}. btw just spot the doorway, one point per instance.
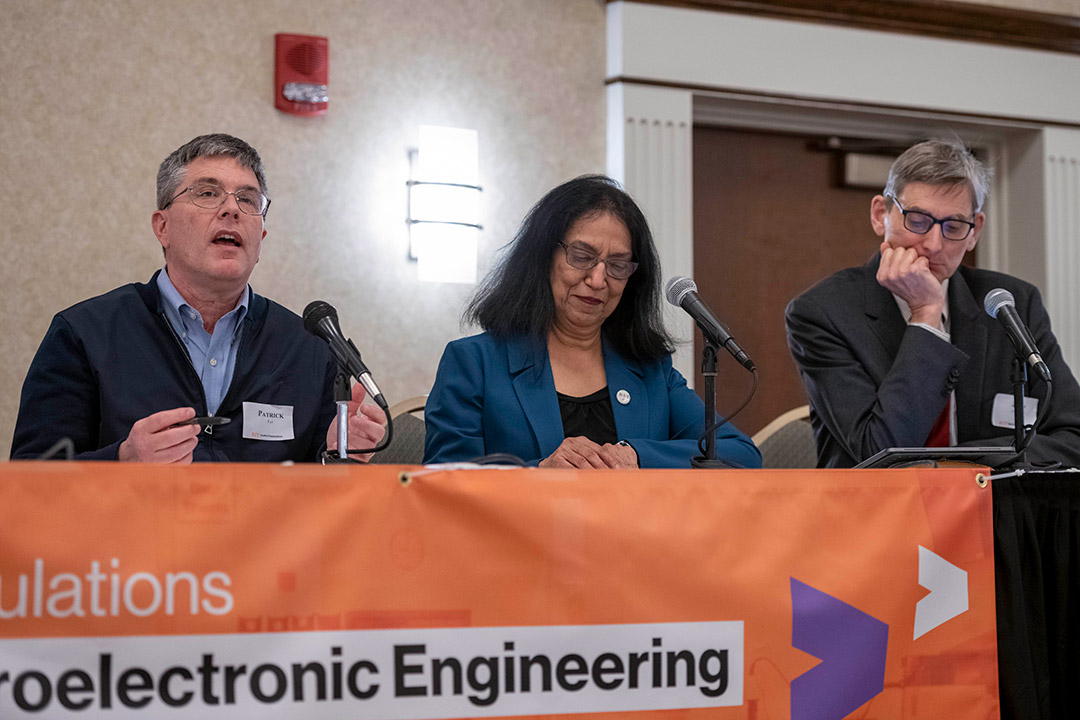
{"type": "Point", "coordinates": [771, 218]}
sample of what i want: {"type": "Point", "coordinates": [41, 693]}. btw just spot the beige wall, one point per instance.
{"type": "Point", "coordinates": [93, 95]}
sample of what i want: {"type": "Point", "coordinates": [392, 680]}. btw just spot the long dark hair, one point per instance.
{"type": "Point", "coordinates": [515, 298]}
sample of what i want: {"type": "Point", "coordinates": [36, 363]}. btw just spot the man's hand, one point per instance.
{"type": "Point", "coordinates": [583, 453]}
{"type": "Point", "coordinates": [366, 425]}
{"type": "Point", "coordinates": [154, 439]}
{"type": "Point", "coordinates": [907, 275]}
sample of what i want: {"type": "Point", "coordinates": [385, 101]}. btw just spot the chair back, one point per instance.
{"type": "Point", "coordinates": [788, 441]}
{"type": "Point", "coordinates": [407, 445]}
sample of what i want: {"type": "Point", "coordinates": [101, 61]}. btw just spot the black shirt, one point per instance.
{"type": "Point", "coordinates": [590, 416]}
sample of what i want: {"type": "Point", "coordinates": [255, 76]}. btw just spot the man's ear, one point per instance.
{"type": "Point", "coordinates": [259, 256]}
{"type": "Point", "coordinates": [159, 223]}
{"type": "Point", "coordinates": [879, 208]}
{"type": "Point", "coordinates": [980, 218]}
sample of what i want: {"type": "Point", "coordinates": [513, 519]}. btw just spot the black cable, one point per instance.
{"type": "Point", "coordinates": [498, 459]}
{"type": "Point", "coordinates": [1029, 434]}
{"type": "Point", "coordinates": [332, 456]}
{"type": "Point", "coordinates": [716, 425]}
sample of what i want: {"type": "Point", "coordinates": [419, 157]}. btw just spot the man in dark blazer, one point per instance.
{"type": "Point", "coordinates": [123, 376]}
{"type": "Point", "coordinates": [899, 352]}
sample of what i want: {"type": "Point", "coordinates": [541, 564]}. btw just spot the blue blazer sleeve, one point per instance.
{"type": "Point", "coordinates": [453, 416]}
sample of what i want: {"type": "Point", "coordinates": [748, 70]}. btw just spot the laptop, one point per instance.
{"type": "Point", "coordinates": [890, 457]}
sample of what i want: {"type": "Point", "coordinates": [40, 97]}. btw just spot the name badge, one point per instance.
{"type": "Point", "coordinates": [268, 422]}
{"type": "Point", "coordinates": [1003, 417]}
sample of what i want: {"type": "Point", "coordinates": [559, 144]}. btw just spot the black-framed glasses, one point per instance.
{"type": "Point", "coordinates": [583, 257]}
{"type": "Point", "coordinates": [920, 223]}
{"type": "Point", "coordinates": [211, 196]}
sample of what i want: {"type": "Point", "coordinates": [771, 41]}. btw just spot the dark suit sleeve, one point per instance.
{"type": "Point", "coordinates": [60, 400]}
{"type": "Point", "coordinates": [687, 422]}
{"type": "Point", "coordinates": [860, 411]}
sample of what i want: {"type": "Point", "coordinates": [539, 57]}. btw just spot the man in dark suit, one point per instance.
{"type": "Point", "coordinates": [899, 352]}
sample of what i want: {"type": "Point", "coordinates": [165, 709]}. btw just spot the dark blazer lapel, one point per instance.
{"type": "Point", "coordinates": [535, 390]}
{"type": "Point", "coordinates": [631, 417]}
{"type": "Point", "coordinates": [882, 313]}
{"type": "Point", "coordinates": [968, 332]}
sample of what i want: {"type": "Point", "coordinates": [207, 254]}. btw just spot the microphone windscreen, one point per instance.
{"type": "Point", "coordinates": [997, 298]}
{"type": "Point", "coordinates": [317, 311]}
{"type": "Point", "coordinates": [677, 288]}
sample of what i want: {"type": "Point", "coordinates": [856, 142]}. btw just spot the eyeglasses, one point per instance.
{"type": "Point", "coordinates": [211, 197]}
{"type": "Point", "coordinates": [920, 223]}
{"type": "Point", "coordinates": [582, 257]}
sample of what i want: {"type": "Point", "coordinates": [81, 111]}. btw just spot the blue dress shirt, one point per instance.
{"type": "Point", "coordinates": [212, 356]}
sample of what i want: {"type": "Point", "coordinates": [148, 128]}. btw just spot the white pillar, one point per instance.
{"type": "Point", "coordinates": [1062, 182]}
{"type": "Point", "coordinates": [650, 152]}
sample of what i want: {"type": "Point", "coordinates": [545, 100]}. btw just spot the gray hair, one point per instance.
{"type": "Point", "coordinates": [939, 162]}
{"type": "Point", "coordinates": [171, 172]}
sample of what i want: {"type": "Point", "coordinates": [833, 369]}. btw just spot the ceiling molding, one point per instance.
{"type": "Point", "coordinates": [708, 112]}
{"type": "Point", "coordinates": [935, 18]}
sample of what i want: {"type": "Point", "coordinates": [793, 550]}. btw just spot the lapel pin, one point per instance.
{"type": "Point", "coordinates": [623, 397]}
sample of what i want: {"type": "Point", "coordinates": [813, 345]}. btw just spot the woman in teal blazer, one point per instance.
{"type": "Point", "coordinates": [574, 369]}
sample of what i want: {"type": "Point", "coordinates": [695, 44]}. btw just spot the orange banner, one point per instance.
{"type": "Point", "coordinates": [369, 592]}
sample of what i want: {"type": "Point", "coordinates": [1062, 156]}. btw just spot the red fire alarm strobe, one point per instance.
{"type": "Point", "coordinates": [301, 69]}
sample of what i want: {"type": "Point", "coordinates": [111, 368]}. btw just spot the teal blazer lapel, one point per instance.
{"type": "Point", "coordinates": [624, 380]}
{"type": "Point", "coordinates": [534, 386]}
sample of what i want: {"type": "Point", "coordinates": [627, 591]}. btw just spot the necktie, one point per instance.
{"type": "Point", "coordinates": [939, 434]}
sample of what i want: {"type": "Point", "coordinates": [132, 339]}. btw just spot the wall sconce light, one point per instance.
{"type": "Point", "coordinates": [444, 204]}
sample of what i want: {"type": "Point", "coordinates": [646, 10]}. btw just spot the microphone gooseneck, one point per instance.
{"type": "Point", "coordinates": [682, 292]}
{"type": "Point", "coordinates": [321, 320]}
{"type": "Point", "coordinates": [1000, 304]}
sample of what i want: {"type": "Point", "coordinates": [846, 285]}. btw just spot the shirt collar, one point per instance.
{"type": "Point", "coordinates": [176, 302]}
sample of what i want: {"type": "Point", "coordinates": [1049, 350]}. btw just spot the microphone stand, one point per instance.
{"type": "Point", "coordinates": [342, 395]}
{"type": "Point", "coordinates": [1019, 382]}
{"type": "Point", "coordinates": [708, 370]}
{"type": "Point", "coordinates": [1023, 435]}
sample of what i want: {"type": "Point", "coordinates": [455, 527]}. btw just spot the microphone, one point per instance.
{"type": "Point", "coordinates": [682, 292]}
{"type": "Point", "coordinates": [321, 320]}
{"type": "Point", "coordinates": [1000, 304]}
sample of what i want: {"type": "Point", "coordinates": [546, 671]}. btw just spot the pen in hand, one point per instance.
{"type": "Point", "coordinates": [208, 420]}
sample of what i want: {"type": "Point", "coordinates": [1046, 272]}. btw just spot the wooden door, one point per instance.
{"type": "Point", "coordinates": [770, 220]}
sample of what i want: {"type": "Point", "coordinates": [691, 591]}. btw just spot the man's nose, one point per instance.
{"type": "Point", "coordinates": [933, 241]}
{"type": "Point", "coordinates": [235, 204]}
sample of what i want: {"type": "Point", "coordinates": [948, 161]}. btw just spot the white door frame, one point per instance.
{"type": "Point", "coordinates": [670, 68]}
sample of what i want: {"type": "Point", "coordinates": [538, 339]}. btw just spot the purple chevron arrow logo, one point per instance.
{"type": "Point", "coordinates": [851, 646]}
